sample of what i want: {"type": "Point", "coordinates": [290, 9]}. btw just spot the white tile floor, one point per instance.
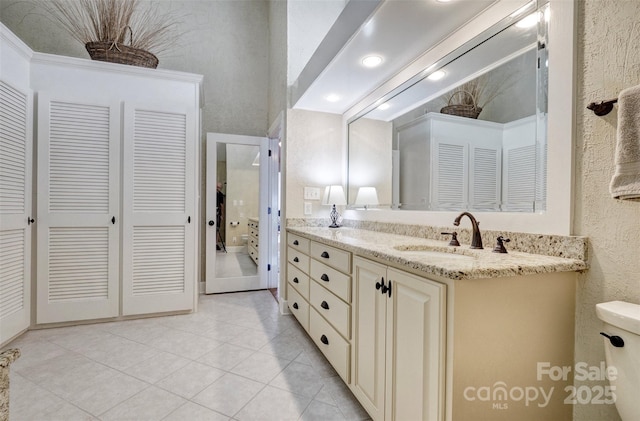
{"type": "Point", "coordinates": [236, 359]}
{"type": "Point", "coordinates": [234, 264]}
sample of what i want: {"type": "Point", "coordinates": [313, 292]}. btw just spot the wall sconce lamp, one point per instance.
{"type": "Point", "coordinates": [334, 195]}
{"type": "Point", "coordinates": [367, 196]}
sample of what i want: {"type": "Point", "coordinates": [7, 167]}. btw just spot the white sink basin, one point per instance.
{"type": "Point", "coordinates": [435, 251]}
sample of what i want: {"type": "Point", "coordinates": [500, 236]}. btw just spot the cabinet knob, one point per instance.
{"type": "Point", "coordinates": [324, 277]}
{"type": "Point", "coordinates": [295, 305]}
{"type": "Point", "coordinates": [324, 305]}
{"type": "Point", "coordinates": [324, 255]}
{"type": "Point", "coordinates": [295, 280]}
{"type": "Point", "coordinates": [324, 340]}
{"type": "Point", "coordinates": [295, 242]}
{"type": "Point", "coordinates": [380, 284]}
{"type": "Point", "coordinates": [295, 259]}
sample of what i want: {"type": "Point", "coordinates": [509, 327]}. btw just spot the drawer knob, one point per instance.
{"type": "Point", "coordinates": [325, 255]}
{"type": "Point", "coordinates": [295, 242]}
{"type": "Point", "coordinates": [324, 340]}
{"type": "Point", "coordinates": [380, 284]}
{"type": "Point", "coordinates": [295, 305]}
{"type": "Point", "coordinates": [324, 305]}
{"type": "Point", "coordinates": [295, 259]}
{"type": "Point", "coordinates": [324, 277]}
{"type": "Point", "coordinates": [295, 280]}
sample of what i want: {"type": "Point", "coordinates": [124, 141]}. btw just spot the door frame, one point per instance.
{"type": "Point", "coordinates": [241, 283]}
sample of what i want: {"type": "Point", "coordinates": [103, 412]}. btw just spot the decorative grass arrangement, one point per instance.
{"type": "Point", "coordinates": [116, 30]}
{"type": "Point", "coordinates": [468, 99]}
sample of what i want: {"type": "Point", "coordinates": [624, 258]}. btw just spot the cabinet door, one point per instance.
{"type": "Point", "coordinates": [486, 170]}
{"type": "Point", "coordinates": [368, 345]}
{"type": "Point", "coordinates": [415, 348]}
{"type": "Point", "coordinates": [15, 209]}
{"type": "Point", "coordinates": [450, 172]}
{"type": "Point", "coordinates": [159, 220]}
{"type": "Point", "coordinates": [78, 209]}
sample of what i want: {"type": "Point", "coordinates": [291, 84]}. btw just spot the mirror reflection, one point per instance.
{"type": "Point", "coordinates": [469, 133]}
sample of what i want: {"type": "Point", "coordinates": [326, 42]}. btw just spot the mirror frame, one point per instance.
{"type": "Point", "coordinates": [557, 218]}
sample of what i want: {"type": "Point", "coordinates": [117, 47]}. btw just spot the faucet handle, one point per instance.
{"type": "Point", "coordinates": [499, 248]}
{"type": "Point", "coordinates": [454, 238]}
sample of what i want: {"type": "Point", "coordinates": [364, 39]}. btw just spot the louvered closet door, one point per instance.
{"type": "Point", "coordinates": [15, 209]}
{"type": "Point", "coordinates": [78, 205]}
{"type": "Point", "coordinates": [451, 174]}
{"type": "Point", "coordinates": [520, 178]}
{"type": "Point", "coordinates": [486, 171]}
{"type": "Point", "coordinates": [159, 220]}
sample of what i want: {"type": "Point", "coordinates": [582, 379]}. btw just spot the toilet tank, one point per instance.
{"type": "Point", "coordinates": [623, 319]}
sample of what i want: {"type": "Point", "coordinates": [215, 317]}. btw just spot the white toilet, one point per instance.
{"type": "Point", "coordinates": [622, 325]}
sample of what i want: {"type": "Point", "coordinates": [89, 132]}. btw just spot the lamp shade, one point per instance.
{"type": "Point", "coordinates": [334, 195]}
{"type": "Point", "coordinates": [367, 196]}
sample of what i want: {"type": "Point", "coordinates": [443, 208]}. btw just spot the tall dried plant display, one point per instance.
{"type": "Point", "coordinates": [468, 99]}
{"type": "Point", "coordinates": [116, 30]}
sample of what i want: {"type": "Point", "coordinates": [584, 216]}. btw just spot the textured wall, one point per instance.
{"type": "Point", "coordinates": [608, 61]}
{"type": "Point", "coordinates": [315, 158]}
{"type": "Point", "coordinates": [224, 40]}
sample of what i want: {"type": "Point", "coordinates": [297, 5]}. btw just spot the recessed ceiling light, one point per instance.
{"type": "Point", "coordinates": [437, 75]}
{"type": "Point", "coordinates": [529, 21]}
{"type": "Point", "coordinates": [333, 98]}
{"type": "Point", "coordinates": [384, 106]}
{"type": "Point", "coordinates": [372, 61]}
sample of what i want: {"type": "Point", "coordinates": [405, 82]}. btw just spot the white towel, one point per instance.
{"type": "Point", "coordinates": [625, 183]}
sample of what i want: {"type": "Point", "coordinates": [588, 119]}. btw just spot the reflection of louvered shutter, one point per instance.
{"type": "Point", "coordinates": [158, 211]}
{"type": "Point", "coordinates": [520, 178]}
{"type": "Point", "coordinates": [15, 207]}
{"type": "Point", "coordinates": [484, 189]}
{"type": "Point", "coordinates": [450, 179]}
{"type": "Point", "coordinates": [78, 147]}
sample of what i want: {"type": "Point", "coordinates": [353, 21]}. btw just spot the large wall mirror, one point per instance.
{"type": "Point", "coordinates": [467, 133]}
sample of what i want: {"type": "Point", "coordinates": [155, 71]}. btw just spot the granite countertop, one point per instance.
{"type": "Point", "coordinates": [435, 257]}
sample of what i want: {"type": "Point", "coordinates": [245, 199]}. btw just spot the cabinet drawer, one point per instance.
{"type": "Point", "coordinates": [299, 307]}
{"type": "Point", "coordinates": [253, 253]}
{"type": "Point", "coordinates": [253, 232]}
{"type": "Point", "coordinates": [335, 281]}
{"type": "Point", "coordinates": [298, 243]}
{"type": "Point", "coordinates": [298, 259]}
{"type": "Point", "coordinates": [253, 242]}
{"type": "Point", "coordinates": [331, 256]}
{"type": "Point", "coordinates": [332, 308]}
{"type": "Point", "coordinates": [333, 346]}
{"type": "Point", "coordinates": [299, 280]}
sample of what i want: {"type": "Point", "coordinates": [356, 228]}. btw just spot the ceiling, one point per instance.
{"type": "Point", "coordinates": [398, 32]}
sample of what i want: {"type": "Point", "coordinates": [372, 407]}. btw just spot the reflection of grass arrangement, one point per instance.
{"type": "Point", "coordinates": [468, 99]}
{"type": "Point", "coordinates": [103, 26]}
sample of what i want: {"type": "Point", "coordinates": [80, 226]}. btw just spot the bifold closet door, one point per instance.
{"type": "Point", "coordinates": [15, 209]}
{"type": "Point", "coordinates": [159, 220]}
{"type": "Point", "coordinates": [78, 209]}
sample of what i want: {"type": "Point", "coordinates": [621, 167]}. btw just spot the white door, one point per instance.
{"type": "Point", "coordinates": [15, 210]}
{"type": "Point", "coordinates": [239, 165]}
{"type": "Point", "coordinates": [78, 209]}
{"type": "Point", "coordinates": [158, 211]}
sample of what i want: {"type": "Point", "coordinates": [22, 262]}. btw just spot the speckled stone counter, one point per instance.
{"type": "Point", "coordinates": [433, 257]}
{"type": "Point", "coordinates": [6, 358]}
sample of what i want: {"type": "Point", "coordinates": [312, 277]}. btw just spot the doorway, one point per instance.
{"type": "Point", "coordinates": [238, 208]}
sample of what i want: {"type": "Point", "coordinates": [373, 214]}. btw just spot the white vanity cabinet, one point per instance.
{"type": "Point", "coordinates": [427, 346]}
{"type": "Point", "coordinates": [398, 343]}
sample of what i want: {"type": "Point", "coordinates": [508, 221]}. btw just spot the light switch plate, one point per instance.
{"type": "Point", "coordinates": [308, 209]}
{"type": "Point", "coordinates": [312, 193]}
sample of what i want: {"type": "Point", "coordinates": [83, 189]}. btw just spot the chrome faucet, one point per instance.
{"type": "Point", "coordinates": [476, 239]}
